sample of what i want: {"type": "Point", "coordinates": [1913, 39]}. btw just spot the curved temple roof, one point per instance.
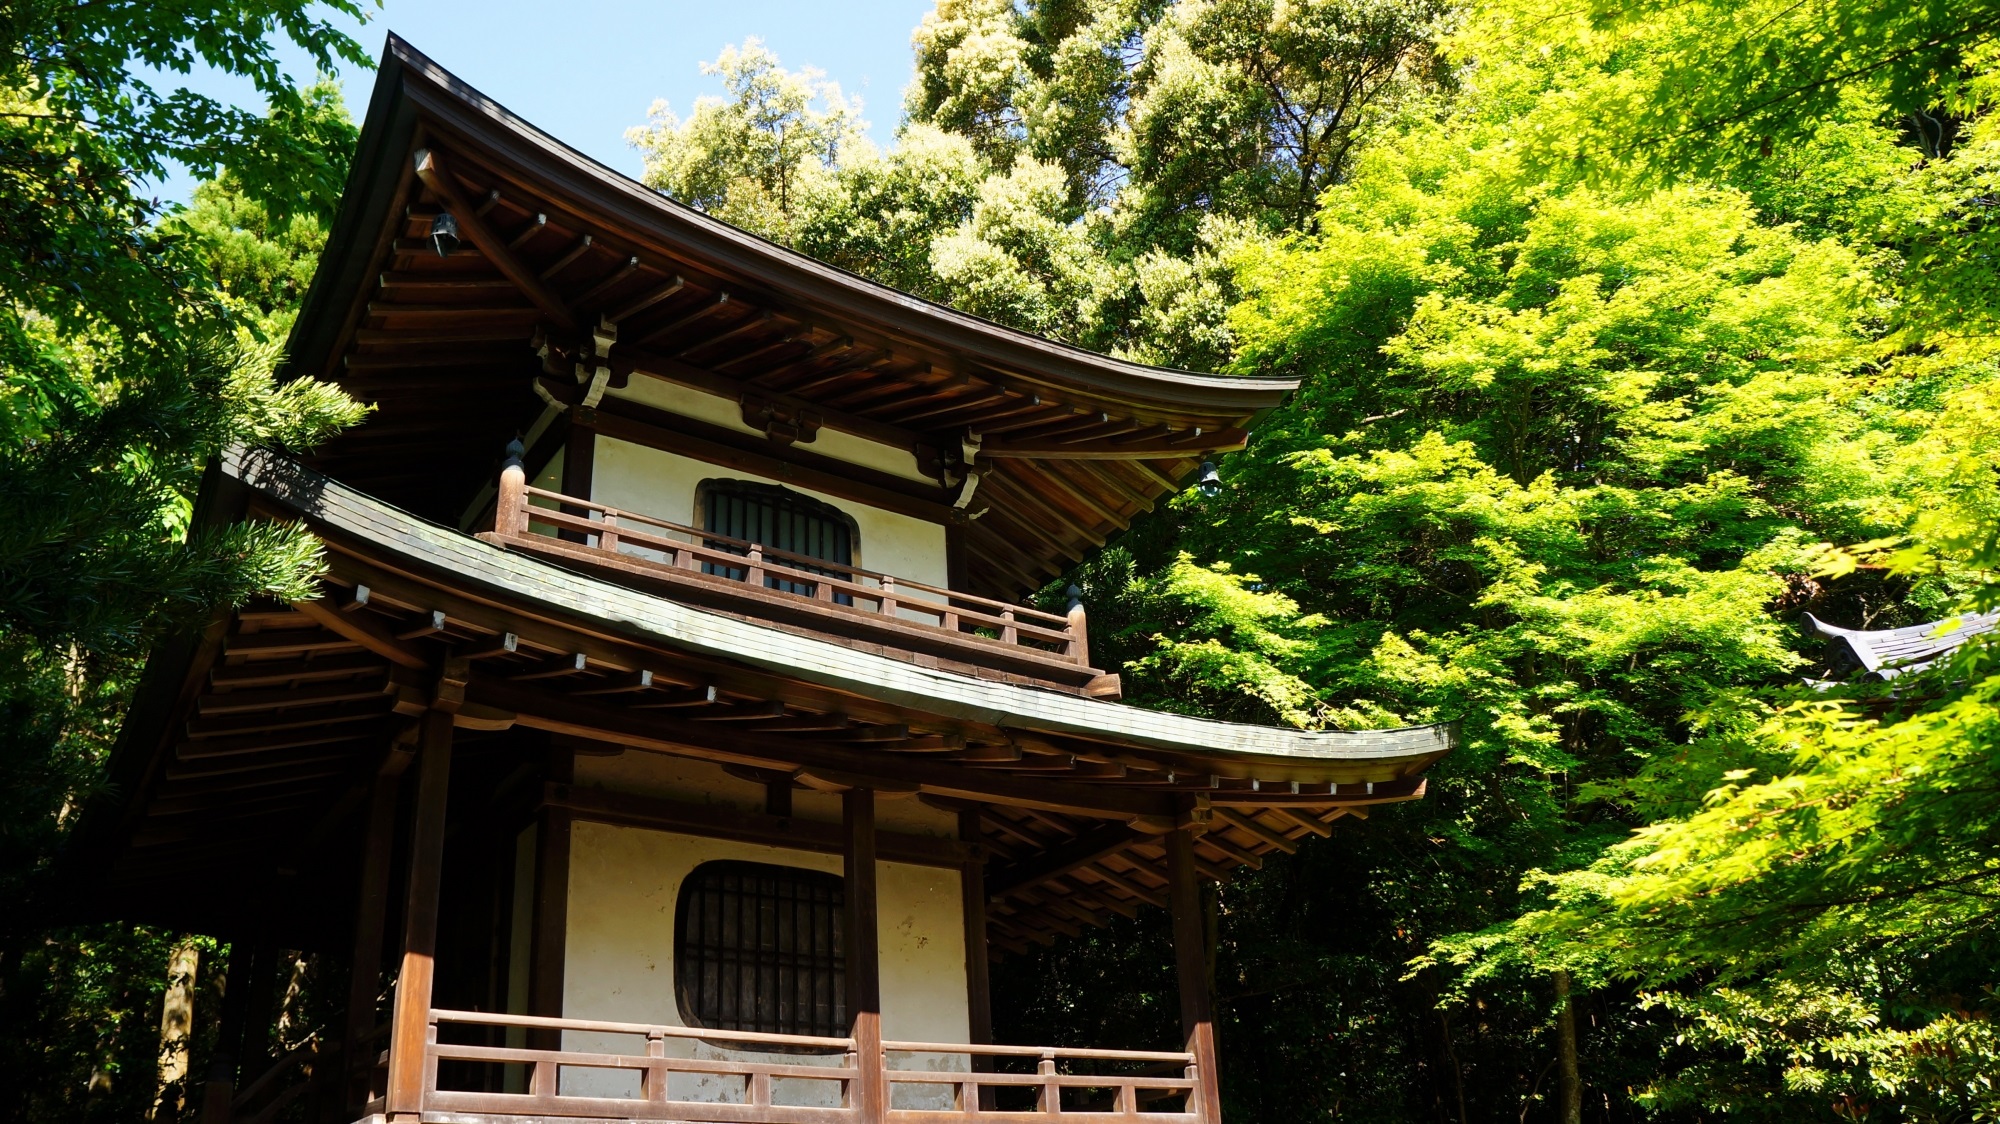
{"type": "Point", "coordinates": [567, 267]}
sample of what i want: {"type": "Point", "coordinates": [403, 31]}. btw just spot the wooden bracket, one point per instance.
{"type": "Point", "coordinates": [782, 422]}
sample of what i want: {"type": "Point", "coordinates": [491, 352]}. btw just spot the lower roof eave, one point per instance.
{"type": "Point", "coordinates": [329, 506]}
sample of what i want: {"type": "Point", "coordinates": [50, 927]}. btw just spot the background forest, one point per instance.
{"type": "Point", "coordinates": [1629, 332]}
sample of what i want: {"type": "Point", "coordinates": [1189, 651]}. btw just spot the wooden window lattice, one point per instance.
{"type": "Point", "coordinates": [779, 519]}
{"type": "Point", "coordinates": [758, 947]}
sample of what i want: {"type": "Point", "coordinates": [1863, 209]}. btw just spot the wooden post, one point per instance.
{"type": "Point", "coordinates": [551, 917]}
{"type": "Point", "coordinates": [863, 956]}
{"type": "Point", "coordinates": [579, 466]}
{"type": "Point", "coordinates": [364, 980]}
{"type": "Point", "coordinates": [510, 507]}
{"type": "Point", "coordinates": [1079, 631]}
{"type": "Point", "coordinates": [409, 1021]}
{"type": "Point", "coordinates": [219, 1088]}
{"type": "Point", "coordinates": [1191, 958]}
{"type": "Point", "coordinates": [978, 982]}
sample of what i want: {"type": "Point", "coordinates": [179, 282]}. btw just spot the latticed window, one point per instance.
{"type": "Point", "coordinates": [778, 519]}
{"type": "Point", "coordinates": [758, 947]}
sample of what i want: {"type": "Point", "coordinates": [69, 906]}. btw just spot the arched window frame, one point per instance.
{"type": "Point", "coordinates": [798, 971]}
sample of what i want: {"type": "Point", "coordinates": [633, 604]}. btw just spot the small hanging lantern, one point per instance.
{"type": "Point", "coordinates": [444, 233]}
{"type": "Point", "coordinates": [1208, 481]}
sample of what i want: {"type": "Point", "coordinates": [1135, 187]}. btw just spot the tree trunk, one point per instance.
{"type": "Point", "coordinates": [176, 1020]}
{"type": "Point", "coordinates": [1571, 1086]}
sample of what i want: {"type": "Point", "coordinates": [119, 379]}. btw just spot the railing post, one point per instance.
{"type": "Point", "coordinates": [1049, 1099]}
{"type": "Point", "coordinates": [1008, 633]}
{"type": "Point", "coordinates": [607, 539]}
{"type": "Point", "coordinates": [753, 574]}
{"type": "Point", "coordinates": [886, 604]}
{"type": "Point", "coordinates": [656, 1073]}
{"type": "Point", "coordinates": [430, 1058]}
{"type": "Point", "coordinates": [1079, 633]}
{"type": "Point", "coordinates": [510, 508]}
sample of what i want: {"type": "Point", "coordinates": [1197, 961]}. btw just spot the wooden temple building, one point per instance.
{"type": "Point", "coordinates": [670, 738]}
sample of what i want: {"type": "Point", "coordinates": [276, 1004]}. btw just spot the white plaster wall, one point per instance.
{"type": "Point", "coordinates": [618, 965]}
{"type": "Point", "coordinates": [726, 412]}
{"type": "Point", "coordinates": [655, 482]}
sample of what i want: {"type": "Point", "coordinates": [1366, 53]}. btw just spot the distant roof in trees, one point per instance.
{"type": "Point", "coordinates": [1888, 653]}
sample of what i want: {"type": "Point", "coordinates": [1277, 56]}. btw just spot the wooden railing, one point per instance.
{"type": "Point", "coordinates": [676, 553]}
{"type": "Point", "coordinates": [740, 1089]}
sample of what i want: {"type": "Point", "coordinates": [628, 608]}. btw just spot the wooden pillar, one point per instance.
{"type": "Point", "coordinates": [972, 876]}
{"type": "Point", "coordinates": [1191, 959]}
{"type": "Point", "coordinates": [580, 453]}
{"type": "Point", "coordinates": [863, 955]}
{"type": "Point", "coordinates": [978, 976]}
{"type": "Point", "coordinates": [579, 466]}
{"type": "Point", "coordinates": [364, 980]}
{"type": "Point", "coordinates": [549, 944]}
{"type": "Point", "coordinates": [218, 1091]}
{"type": "Point", "coordinates": [409, 1020]}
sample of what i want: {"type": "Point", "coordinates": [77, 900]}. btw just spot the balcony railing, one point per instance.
{"type": "Point", "coordinates": [799, 589]}
{"type": "Point", "coordinates": [748, 1089]}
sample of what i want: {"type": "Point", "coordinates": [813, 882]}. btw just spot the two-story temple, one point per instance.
{"type": "Point", "coordinates": [670, 739]}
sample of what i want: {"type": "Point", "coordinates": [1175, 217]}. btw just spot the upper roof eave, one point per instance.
{"type": "Point", "coordinates": [657, 620]}
{"type": "Point", "coordinates": [411, 87]}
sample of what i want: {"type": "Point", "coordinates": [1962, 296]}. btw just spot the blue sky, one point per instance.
{"type": "Point", "coordinates": [586, 70]}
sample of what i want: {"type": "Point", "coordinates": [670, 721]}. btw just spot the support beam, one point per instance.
{"type": "Point", "coordinates": [409, 1023]}
{"type": "Point", "coordinates": [863, 954]}
{"type": "Point", "coordinates": [1191, 960]}
{"type": "Point", "coordinates": [364, 981]}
